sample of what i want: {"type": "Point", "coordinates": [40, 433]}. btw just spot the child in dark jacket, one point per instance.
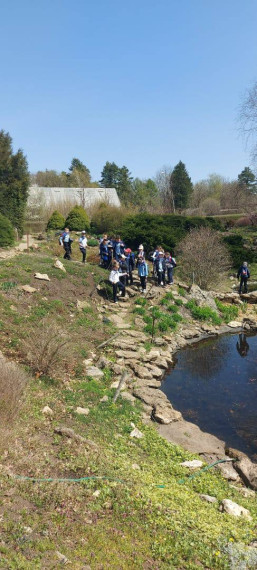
{"type": "Point", "coordinates": [160, 267]}
{"type": "Point", "coordinates": [170, 264]}
{"type": "Point", "coordinates": [130, 260]}
{"type": "Point", "coordinates": [244, 274]}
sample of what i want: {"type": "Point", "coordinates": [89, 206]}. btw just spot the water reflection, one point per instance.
{"type": "Point", "coordinates": [242, 345]}
{"type": "Point", "coordinates": [214, 384]}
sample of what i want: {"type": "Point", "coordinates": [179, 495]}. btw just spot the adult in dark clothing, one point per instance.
{"type": "Point", "coordinates": [242, 345]}
{"type": "Point", "coordinates": [160, 267]}
{"type": "Point", "coordinates": [170, 264]}
{"type": "Point", "coordinates": [243, 274]}
{"type": "Point", "coordinates": [66, 242]}
{"type": "Point", "coordinates": [104, 253]}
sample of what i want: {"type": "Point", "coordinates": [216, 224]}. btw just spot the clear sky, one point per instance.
{"type": "Point", "coordinates": [144, 83]}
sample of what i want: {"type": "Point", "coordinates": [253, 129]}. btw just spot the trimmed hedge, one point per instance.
{"type": "Point", "coordinates": [166, 230]}
{"type": "Point", "coordinates": [7, 235]}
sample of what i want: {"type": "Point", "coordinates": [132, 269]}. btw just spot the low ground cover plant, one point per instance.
{"type": "Point", "coordinates": [229, 312]}
{"type": "Point", "coordinates": [203, 313]}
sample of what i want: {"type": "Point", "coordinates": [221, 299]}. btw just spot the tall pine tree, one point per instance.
{"type": "Point", "coordinates": [119, 178]}
{"type": "Point", "coordinates": [181, 186]}
{"type": "Point", "coordinates": [14, 182]}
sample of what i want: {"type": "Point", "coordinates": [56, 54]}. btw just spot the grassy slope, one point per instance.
{"type": "Point", "coordinates": [130, 523]}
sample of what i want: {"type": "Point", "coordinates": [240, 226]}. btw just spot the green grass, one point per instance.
{"type": "Point", "coordinates": [203, 313]}
{"type": "Point", "coordinates": [229, 312]}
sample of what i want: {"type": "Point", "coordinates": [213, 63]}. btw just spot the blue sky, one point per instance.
{"type": "Point", "coordinates": [141, 83]}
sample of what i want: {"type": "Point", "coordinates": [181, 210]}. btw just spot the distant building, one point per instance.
{"type": "Point", "coordinates": [85, 197]}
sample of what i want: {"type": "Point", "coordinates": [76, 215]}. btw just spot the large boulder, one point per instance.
{"type": "Point", "coordinates": [202, 298]}
{"type": "Point", "coordinates": [248, 471]}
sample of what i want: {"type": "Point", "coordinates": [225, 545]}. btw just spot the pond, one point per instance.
{"type": "Point", "coordinates": [214, 385]}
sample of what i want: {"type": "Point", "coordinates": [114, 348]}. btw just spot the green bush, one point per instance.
{"type": "Point", "coordinates": [107, 218]}
{"type": "Point", "coordinates": [77, 219]}
{"type": "Point", "coordinates": [166, 230]}
{"type": "Point", "coordinates": [6, 232]}
{"type": "Point", "coordinates": [203, 313]}
{"type": "Point", "coordinates": [238, 252]}
{"type": "Point", "coordinates": [56, 221]}
{"type": "Point", "coordinates": [92, 242]}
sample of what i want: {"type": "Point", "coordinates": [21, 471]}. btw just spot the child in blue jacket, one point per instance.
{"type": "Point", "coordinates": [142, 272]}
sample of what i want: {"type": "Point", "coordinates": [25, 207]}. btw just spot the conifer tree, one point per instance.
{"type": "Point", "coordinates": [181, 186]}
{"type": "Point", "coordinates": [14, 182]}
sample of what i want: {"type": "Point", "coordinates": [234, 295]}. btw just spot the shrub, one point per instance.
{"type": "Point", "coordinates": [6, 232]}
{"type": "Point", "coordinates": [203, 256]}
{"type": "Point", "coordinates": [56, 221]}
{"type": "Point", "coordinates": [12, 384]}
{"type": "Point", "coordinates": [77, 219]}
{"type": "Point", "coordinates": [106, 218]}
{"type": "Point", "coordinates": [92, 242]}
{"type": "Point", "coordinates": [238, 252]}
{"type": "Point", "coordinates": [166, 230]}
{"type": "Point", "coordinates": [46, 349]}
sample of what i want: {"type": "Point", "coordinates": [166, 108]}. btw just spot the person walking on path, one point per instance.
{"type": "Point", "coordinates": [160, 266]}
{"type": "Point", "coordinates": [83, 245]}
{"type": "Point", "coordinates": [170, 264]}
{"type": "Point", "coordinates": [66, 242]}
{"type": "Point", "coordinates": [243, 274]}
{"type": "Point", "coordinates": [142, 272]}
{"type": "Point", "coordinates": [114, 278]}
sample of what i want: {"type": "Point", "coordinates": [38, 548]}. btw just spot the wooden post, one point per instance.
{"type": "Point", "coordinates": [121, 383]}
{"type": "Point", "coordinates": [27, 241]}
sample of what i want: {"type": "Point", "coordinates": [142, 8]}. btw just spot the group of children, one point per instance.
{"type": "Point", "coordinates": [123, 261]}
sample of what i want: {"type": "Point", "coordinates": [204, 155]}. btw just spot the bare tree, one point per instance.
{"type": "Point", "coordinates": [248, 120]}
{"type": "Point", "coordinates": [204, 257]}
{"type": "Point", "coordinates": [162, 181]}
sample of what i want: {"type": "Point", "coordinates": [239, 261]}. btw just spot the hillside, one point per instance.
{"type": "Point", "coordinates": [133, 506]}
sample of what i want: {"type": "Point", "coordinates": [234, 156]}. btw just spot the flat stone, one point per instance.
{"type": "Point", "coordinates": [47, 411]}
{"type": "Point", "coordinates": [128, 354]}
{"type": "Point", "coordinates": [128, 397]}
{"type": "Point", "coordinates": [28, 289]}
{"type": "Point", "coordinates": [59, 265]}
{"type": "Point", "coordinates": [155, 371]}
{"type": "Point", "coordinates": [234, 509]}
{"type": "Point", "coordinates": [234, 324]}
{"type": "Point", "coordinates": [95, 372]}
{"type": "Point", "coordinates": [140, 371]}
{"type": "Point", "coordinates": [42, 276]}
{"type": "Point", "coordinates": [208, 498]}
{"type": "Point", "coordinates": [82, 411]}
{"type": "Point", "coordinates": [165, 414]}
{"type": "Point", "coordinates": [136, 433]}
{"type": "Point", "coordinates": [228, 472]}
{"type": "Point", "coordinates": [189, 436]}
{"type": "Point", "coordinates": [104, 399]}
{"type": "Point", "coordinates": [194, 464]}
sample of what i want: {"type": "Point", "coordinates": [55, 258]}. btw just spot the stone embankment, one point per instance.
{"type": "Point", "coordinates": [146, 368]}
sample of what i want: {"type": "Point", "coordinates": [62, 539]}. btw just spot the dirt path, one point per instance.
{"type": "Point", "coordinates": [12, 251]}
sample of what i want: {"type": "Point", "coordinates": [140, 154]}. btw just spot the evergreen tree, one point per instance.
{"type": "Point", "coordinates": [109, 175]}
{"type": "Point", "coordinates": [120, 178]}
{"type": "Point", "coordinates": [181, 186]}
{"type": "Point", "coordinates": [56, 221]}
{"type": "Point", "coordinates": [145, 195]}
{"type": "Point", "coordinates": [14, 182]}
{"type": "Point", "coordinates": [247, 179]}
{"type": "Point", "coordinates": [77, 219]}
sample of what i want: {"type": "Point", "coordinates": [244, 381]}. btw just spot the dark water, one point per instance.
{"type": "Point", "coordinates": [214, 385]}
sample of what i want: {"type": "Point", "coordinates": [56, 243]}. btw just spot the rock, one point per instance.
{"type": "Point", "coordinates": [155, 371]}
{"type": "Point", "coordinates": [28, 289]}
{"type": "Point", "coordinates": [103, 362]}
{"type": "Point", "coordinates": [234, 324]}
{"type": "Point", "coordinates": [165, 414]}
{"type": "Point", "coordinates": [95, 372]}
{"type": "Point", "coordinates": [248, 471]}
{"type": "Point", "coordinates": [130, 354]}
{"type": "Point", "coordinates": [28, 529]}
{"type": "Point", "coordinates": [83, 305]}
{"type": "Point", "coordinates": [135, 466]}
{"type": "Point", "coordinates": [228, 471]}
{"type": "Point", "coordinates": [234, 509]}
{"type": "Point", "coordinates": [63, 559]}
{"type": "Point", "coordinates": [96, 493]}
{"type": "Point", "coordinates": [104, 399]}
{"type": "Point", "coordinates": [87, 362]}
{"type": "Point", "coordinates": [158, 341]}
{"type": "Point", "coordinates": [137, 334]}
{"type": "Point", "coordinates": [152, 355]}
{"type": "Point", "coordinates": [136, 433]}
{"type": "Point", "coordinates": [115, 385]}
{"type": "Point", "coordinates": [129, 397]}
{"type": "Point", "coordinates": [42, 276]}
{"type": "Point", "coordinates": [208, 498]}
{"type": "Point", "coordinates": [47, 411]}
{"type": "Point", "coordinates": [203, 298]}
{"type": "Point", "coordinates": [244, 491]}
{"type": "Point", "coordinates": [194, 464]}
{"type": "Point", "coordinates": [140, 371]}
{"type": "Point", "coordinates": [70, 433]}
{"type": "Point", "coordinates": [59, 265]}
{"type": "Point", "coordinates": [82, 411]}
